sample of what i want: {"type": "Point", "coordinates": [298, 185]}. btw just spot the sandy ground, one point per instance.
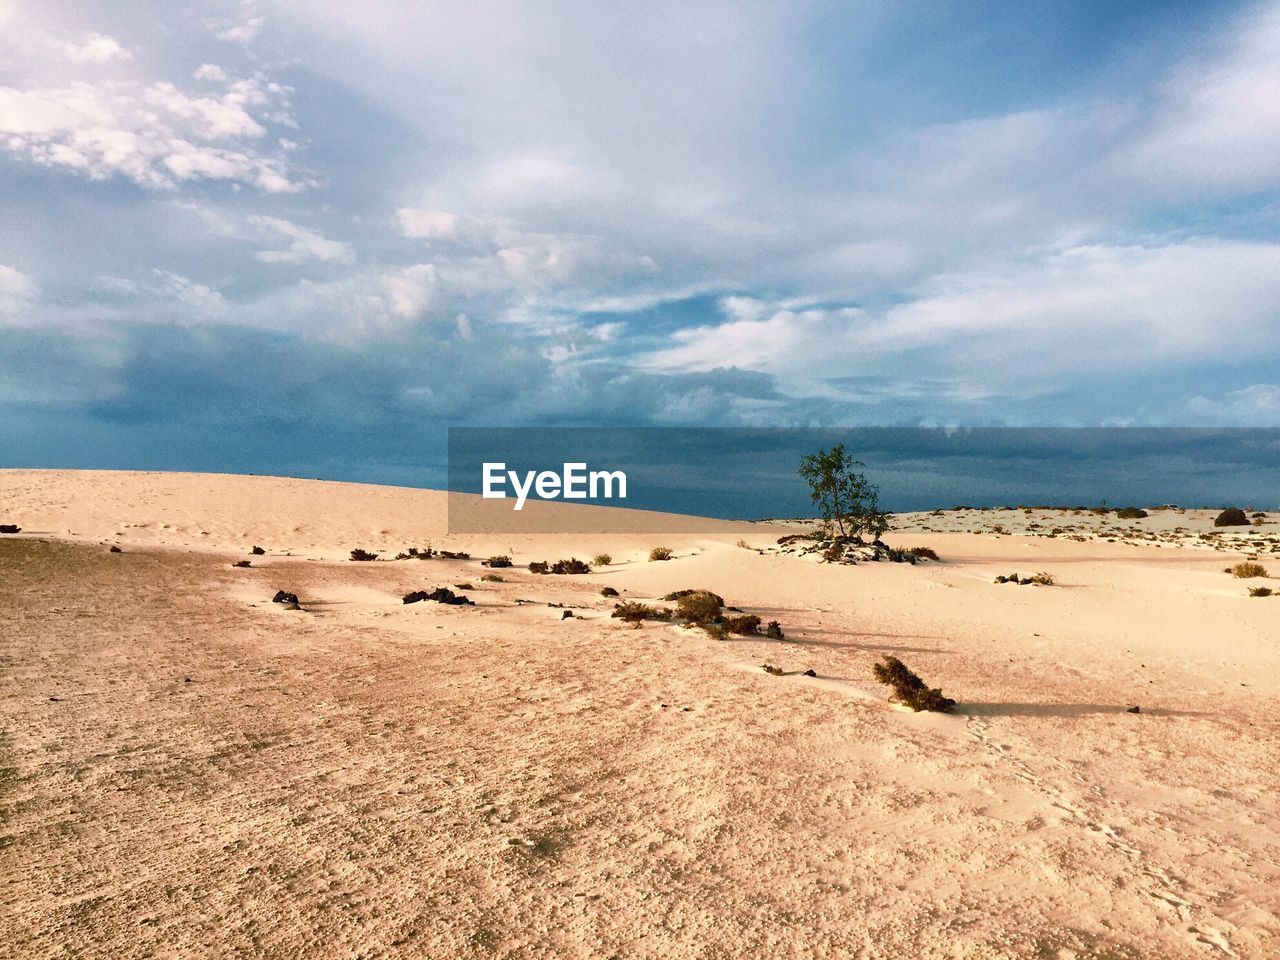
{"type": "Point", "coordinates": [189, 770]}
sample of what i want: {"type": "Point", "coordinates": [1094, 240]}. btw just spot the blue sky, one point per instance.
{"type": "Point", "coordinates": [298, 237]}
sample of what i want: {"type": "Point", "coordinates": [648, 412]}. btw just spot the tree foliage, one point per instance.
{"type": "Point", "coordinates": [845, 498]}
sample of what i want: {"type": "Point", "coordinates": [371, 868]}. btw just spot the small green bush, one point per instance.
{"type": "Point", "coordinates": [1042, 579]}
{"type": "Point", "coordinates": [491, 578]}
{"type": "Point", "coordinates": [540, 566]}
{"type": "Point", "coordinates": [660, 553]}
{"type": "Point", "coordinates": [1248, 570]}
{"type": "Point", "coordinates": [774, 631]}
{"type": "Point", "coordinates": [699, 606]}
{"type": "Point", "coordinates": [572, 565]}
{"type": "Point", "coordinates": [633, 612]}
{"type": "Point", "coordinates": [601, 560]}
{"type": "Point", "coordinates": [908, 688]}
{"type": "Point", "coordinates": [363, 555]}
{"type": "Point", "coordinates": [1231, 517]}
{"type": "Point", "coordinates": [834, 553]}
{"type": "Point", "coordinates": [502, 560]}
{"type": "Point", "coordinates": [924, 553]}
{"type": "Point", "coordinates": [1259, 591]}
{"type": "Point", "coordinates": [677, 594]}
{"type": "Point", "coordinates": [747, 625]}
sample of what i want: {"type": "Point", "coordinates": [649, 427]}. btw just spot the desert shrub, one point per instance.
{"type": "Point", "coordinates": [1248, 569]}
{"type": "Point", "coordinates": [450, 555]}
{"type": "Point", "coordinates": [439, 595]}
{"type": "Point", "coordinates": [924, 553]}
{"type": "Point", "coordinates": [1258, 521]}
{"type": "Point", "coordinates": [608, 592]}
{"type": "Point", "coordinates": [633, 612]}
{"type": "Point", "coordinates": [601, 560]}
{"type": "Point", "coordinates": [491, 578]}
{"type": "Point", "coordinates": [770, 669]}
{"type": "Point", "coordinates": [660, 553]}
{"type": "Point", "coordinates": [747, 625]}
{"type": "Point", "coordinates": [715, 631]}
{"type": "Point", "coordinates": [1131, 513]}
{"type": "Point", "coordinates": [908, 688]}
{"type": "Point", "coordinates": [744, 545]}
{"type": "Point", "coordinates": [502, 560]}
{"type": "Point", "coordinates": [774, 631]}
{"type": "Point", "coordinates": [834, 553]}
{"type": "Point", "coordinates": [793, 537]}
{"type": "Point", "coordinates": [242, 563]}
{"type": "Point", "coordinates": [699, 606]}
{"type": "Point", "coordinates": [10, 528]}
{"type": "Point", "coordinates": [540, 566]}
{"type": "Point", "coordinates": [365, 555]}
{"type": "Point", "coordinates": [1231, 517]}
{"type": "Point", "coordinates": [464, 586]}
{"type": "Point", "coordinates": [257, 551]}
{"type": "Point", "coordinates": [677, 594]}
{"type": "Point", "coordinates": [572, 565]}
{"type": "Point", "coordinates": [1259, 591]}
{"type": "Point", "coordinates": [1042, 579]}
{"type": "Point", "coordinates": [413, 553]}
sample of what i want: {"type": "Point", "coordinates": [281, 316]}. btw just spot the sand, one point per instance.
{"type": "Point", "coordinates": [189, 770]}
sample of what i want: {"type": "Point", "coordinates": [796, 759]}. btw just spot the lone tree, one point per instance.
{"type": "Point", "coordinates": [838, 486]}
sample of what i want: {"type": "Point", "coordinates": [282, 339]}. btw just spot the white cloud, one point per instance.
{"type": "Point", "coordinates": [96, 48]}
{"type": "Point", "coordinates": [242, 32]}
{"type": "Point", "coordinates": [1258, 404]}
{"type": "Point", "coordinates": [427, 224]}
{"type": "Point", "coordinates": [17, 290]}
{"type": "Point", "coordinates": [202, 299]}
{"type": "Point", "coordinates": [1218, 122]}
{"type": "Point", "coordinates": [302, 244]}
{"type": "Point", "coordinates": [1076, 311]}
{"type": "Point", "coordinates": [155, 135]}
{"type": "Point", "coordinates": [209, 71]}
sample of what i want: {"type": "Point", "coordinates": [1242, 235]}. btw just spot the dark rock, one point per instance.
{"type": "Point", "coordinates": [567, 615]}
{"type": "Point", "coordinates": [809, 673]}
{"type": "Point", "coordinates": [1133, 709]}
{"type": "Point", "coordinates": [10, 528]}
{"type": "Point", "coordinates": [439, 595]}
{"type": "Point", "coordinates": [257, 551]}
{"type": "Point", "coordinates": [282, 597]}
{"type": "Point", "coordinates": [242, 563]}
{"type": "Point", "coordinates": [608, 592]}
{"type": "Point", "coordinates": [1231, 517]}
{"type": "Point", "coordinates": [115, 549]}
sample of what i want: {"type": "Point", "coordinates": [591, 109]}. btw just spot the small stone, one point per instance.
{"type": "Point", "coordinates": [567, 615]}
{"type": "Point", "coordinates": [1134, 709]}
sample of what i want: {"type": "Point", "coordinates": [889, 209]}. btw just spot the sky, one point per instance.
{"type": "Point", "coordinates": [308, 237]}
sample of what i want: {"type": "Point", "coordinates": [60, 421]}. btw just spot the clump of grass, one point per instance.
{"type": "Point", "coordinates": [363, 555]}
{"type": "Point", "coordinates": [1259, 591]}
{"type": "Point", "coordinates": [608, 592]}
{"type": "Point", "coordinates": [924, 553]}
{"type": "Point", "coordinates": [833, 553]}
{"type": "Point", "coordinates": [770, 669]}
{"type": "Point", "coordinates": [908, 688]}
{"type": "Point", "coordinates": [660, 553]}
{"type": "Point", "coordinates": [450, 555]}
{"type": "Point", "coordinates": [1231, 517]}
{"type": "Point", "coordinates": [715, 631]}
{"type": "Point", "coordinates": [501, 560]}
{"type": "Point", "coordinates": [633, 612]}
{"type": "Point", "coordinates": [1042, 579]}
{"type": "Point", "coordinates": [491, 578]}
{"type": "Point", "coordinates": [1248, 570]}
{"type": "Point", "coordinates": [413, 553]}
{"type": "Point", "coordinates": [699, 606]}
{"type": "Point", "coordinates": [572, 565]}
{"type": "Point", "coordinates": [601, 560]}
{"type": "Point", "coordinates": [539, 566]}
{"type": "Point", "coordinates": [744, 545]}
{"type": "Point", "coordinates": [464, 586]}
{"type": "Point", "coordinates": [774, 631]}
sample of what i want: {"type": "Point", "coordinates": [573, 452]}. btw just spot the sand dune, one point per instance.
{"type": "Point", "coordinates": [189, 770]}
